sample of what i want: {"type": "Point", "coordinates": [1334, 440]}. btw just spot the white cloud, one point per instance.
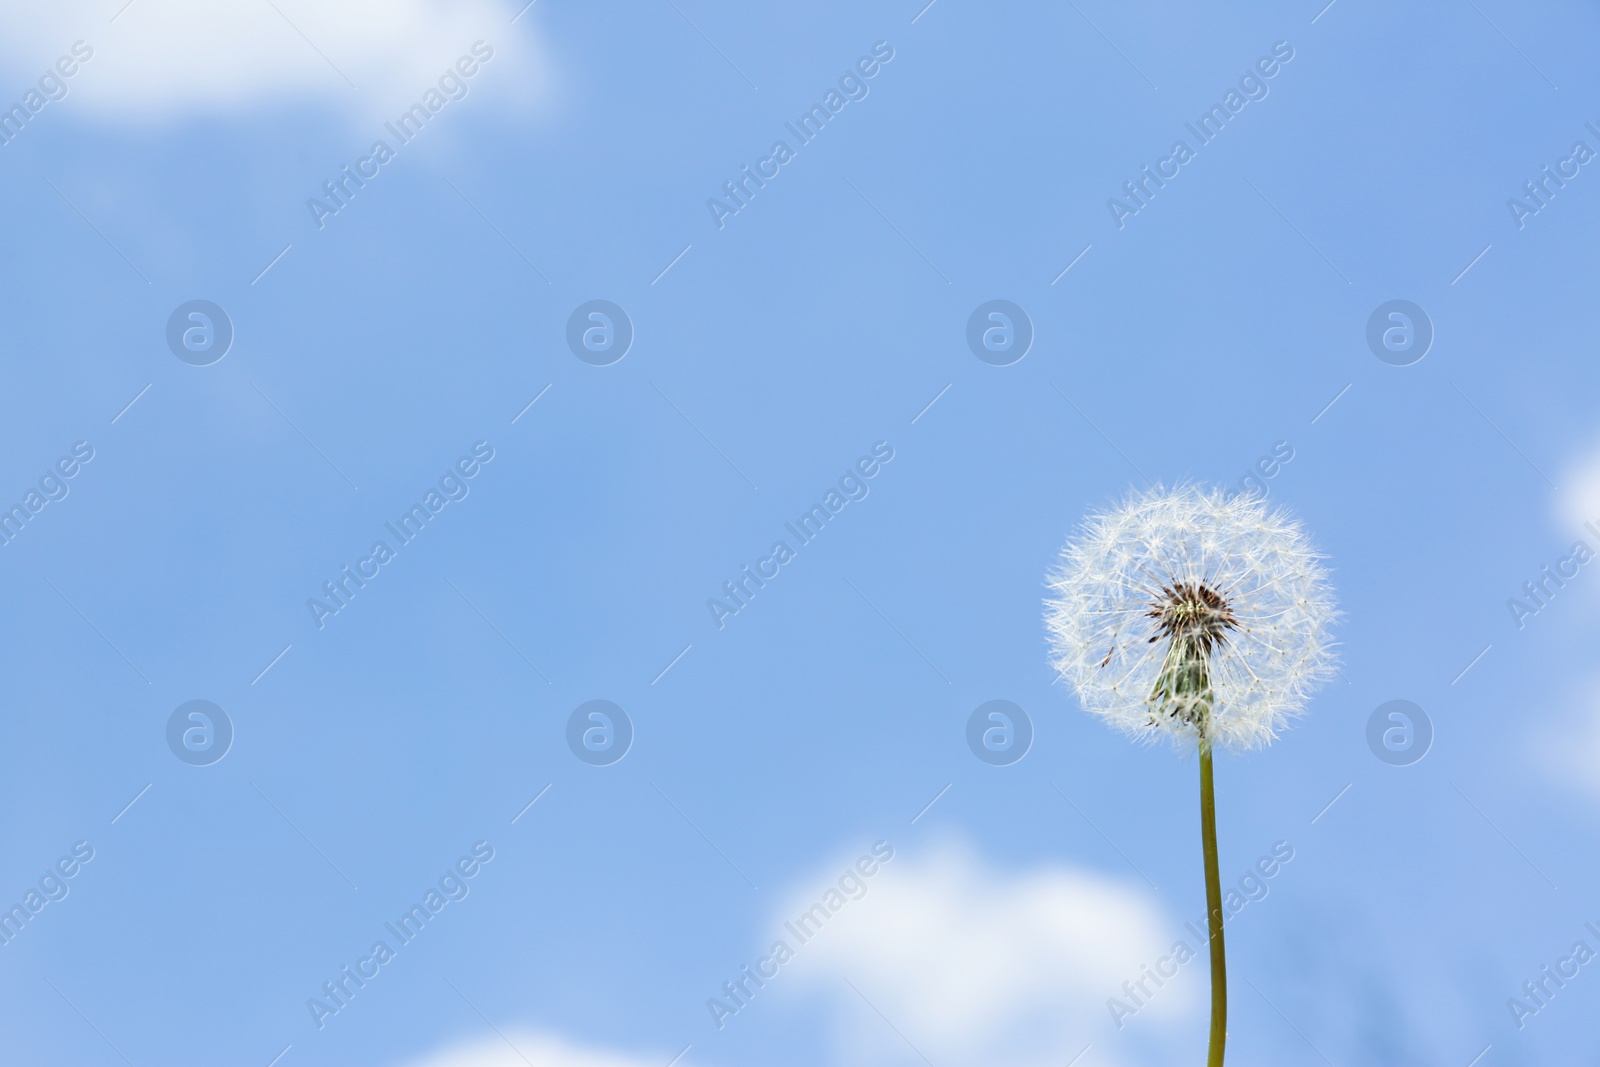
{"type": "Point", "coordinates": [1566, 739]}
{"type": "Point", "coordinates": [162, 59]}
{"type": "Point", "coordinates": [975, 964]}
{"type": "Point", "coordinates": [1579, 499]}
{"type": "Point", "coordinates": [542, 1049]}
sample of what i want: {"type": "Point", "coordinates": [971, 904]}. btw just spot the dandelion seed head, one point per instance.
{"type": "Point", "coordinates": [1187, 583]}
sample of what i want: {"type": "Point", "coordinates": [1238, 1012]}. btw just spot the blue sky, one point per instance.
{"type": "Point", "coordinates": [1222, 322]}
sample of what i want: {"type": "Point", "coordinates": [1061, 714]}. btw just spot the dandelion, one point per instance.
{"type": "Point", "coordinates": [1188, 616]}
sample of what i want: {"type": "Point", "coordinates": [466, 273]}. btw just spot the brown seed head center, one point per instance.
{"type": "Point", "coordinates": [1193, 613]}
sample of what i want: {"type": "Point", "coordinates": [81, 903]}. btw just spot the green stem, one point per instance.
{"type": "Point", "coordinates": [1219, 966]}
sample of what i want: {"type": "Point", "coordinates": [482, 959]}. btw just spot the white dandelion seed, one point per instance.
{"type": "Point", "coordinates": [1191, 616]}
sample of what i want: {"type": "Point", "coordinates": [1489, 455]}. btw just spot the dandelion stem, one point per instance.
{"type": "Point", "coordinates": [1219, 967]}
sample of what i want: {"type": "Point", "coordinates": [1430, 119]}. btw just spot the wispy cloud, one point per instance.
{"type": "Point", "coordinates": [518, 1048]}
{"type": "Point", "coordinates": [974, 964]}
{"type": "Point", "coordinates": [165, 59]}
{"type": "Point", "coordinates": [1579, 499]}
